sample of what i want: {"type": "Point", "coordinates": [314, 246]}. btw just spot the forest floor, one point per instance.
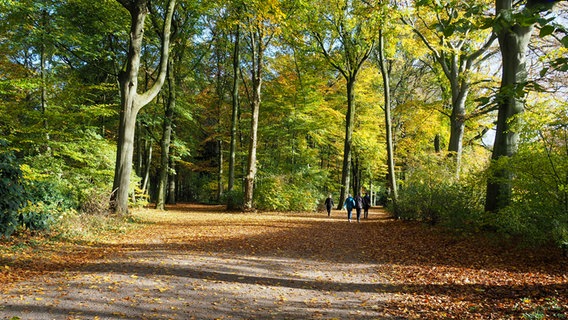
{"type": "Point", "coordinates": [199, 262]}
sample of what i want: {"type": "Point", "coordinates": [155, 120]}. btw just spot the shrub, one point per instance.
{"type": "Point", "coordinates": [233, 199]}
{"type": "Point", "coordinates": [431, 193]}
{"type": "Point", "coordinates": [94, 201]}
{"type": "Point", "coordinates": [45, 199]}
{"type": "Point", "coordinates": [286, 193]}
{"type": "Point", "coordinates": [538, 212]}
{"type": "Point", "coordinates": [11, 191]}
{"type": "Point", "coordinates": [72, 175]}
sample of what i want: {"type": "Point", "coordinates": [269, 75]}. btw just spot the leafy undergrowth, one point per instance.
{"type": "Point", "coordinates": [428, 274]}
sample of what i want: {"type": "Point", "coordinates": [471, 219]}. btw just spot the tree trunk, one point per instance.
{"type": "Point", "coordinates": [457, 126]}
{"type": "Point", "coordinates": [148, 163]}
{"type": "Point", "coordinates": [251, 170]}
{"type": "Point", "coordinates": [356, 175]}
{"type": "Point", "coordinates": [131, 101]}
{"type": "Point", "coordinates": [235, 111]}
{"type": "Point", "coordinates": [513, 43]}
{"type": "Point", "coordinates": [220, 171]}
{"type": "Point", "coordinates": [349, 120]}
{"type": "Point", "coordinates": [388, 123]}
{"type": "Point", "coordinates": [172, 182]}
{"type": "Point", "coordinates": [257, 66]}
{"type": "Point", "coordinates": [43, 75]}
{"type": "Point", "coordinates": [456, 64]}
{"type": "Point", "coordinates": [166, 139]}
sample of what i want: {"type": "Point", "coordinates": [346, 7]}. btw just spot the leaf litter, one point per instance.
{"type": "Point", "coordinates": [198, 262]}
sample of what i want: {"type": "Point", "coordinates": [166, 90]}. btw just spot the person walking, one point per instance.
{"type": "Point", "coordinates": [348, 205]}
{"type": "Point", "coordinates": [329, 205]}
{"type": "Point", "coordinates": [366, 205]}
{"type": "Point", "coordinates": [358, 206]}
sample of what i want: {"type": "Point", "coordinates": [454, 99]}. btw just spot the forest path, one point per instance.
{"type": "Point", "coordinates": [198, 262]}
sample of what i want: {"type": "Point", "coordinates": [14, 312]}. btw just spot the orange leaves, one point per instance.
{"type": "Point", "coordinates": [193, 261]}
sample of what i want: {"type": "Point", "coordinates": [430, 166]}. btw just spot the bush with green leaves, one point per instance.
{"type": "Point", "coordinates": [538, 210]}
{"type": "Point", "coordinates": [233, 199]}
{"type": "Point", "coordinates": [431, 193]}
{"type": "Point", "coordinates": [294, 192]}
{"type": "Point", "coordinates": [11, 191]}
{"type": "Point", "coordinates": [74, 175]}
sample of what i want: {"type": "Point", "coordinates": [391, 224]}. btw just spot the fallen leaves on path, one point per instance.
{"type": "Point", "coordinates": [282, 265]}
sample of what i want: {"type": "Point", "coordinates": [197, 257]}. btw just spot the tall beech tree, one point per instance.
{"type": "Point", "coordinates": [345, 33]}
{"type": "Point", "coordinates": [261, 24]}
{"type": "Point", "coordinates": [514, 26]}
{"type": "Point", "coordinates": [167, 128]}
{"type": "Point", "coordinates": [385, 72]}
{"type": "Point", "coordinates": [130, 100]}
{"type": "Point", "coordinates": [185, 26]}
{"type": "Point", "coordinates": [236, 57]}
{"type": "Point", "coordinates": [457, 45]}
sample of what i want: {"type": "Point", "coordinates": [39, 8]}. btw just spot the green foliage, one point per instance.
{"type": "Point", "coordinates": [538, 213]}
{"type": "Point", "coordinates": [46, 199]}
{"type": "Point", "coordinates": [37, 216]}
{"type": "Point", "coordinates": [432, 194]}
{"type": "Point", "coordinates": [295, 192]}
{"type": "Point", "coordinates": [233, 199]}
{"type": "Point", "coordinates": [66, 177]}
{"type": "Point", "coordinates": [11, 190]}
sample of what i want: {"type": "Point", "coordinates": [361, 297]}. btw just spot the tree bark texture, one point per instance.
{"type": "Point", "coordinates": [172, 182]}
{"type": "Point", "coordinates": [131, 101]}
{"type": "Point", "coordinates": [388, 123]}
{"type": "Point", "coordinates": [235, 110]}
{"type": "Point", "coordinates": [513, 42]}
{"type": "Point", "coordinates": [257, 66]}
{"type": "Point", "coordinates": [349, 123]}
{"type": "Point", "coordinates": [167, 128]}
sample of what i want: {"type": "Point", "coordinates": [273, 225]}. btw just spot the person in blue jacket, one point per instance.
{"type": "Point", "coordinates": [348, 205]}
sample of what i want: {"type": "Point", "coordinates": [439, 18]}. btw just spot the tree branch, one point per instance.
{"type": "Point", "coordinates": [149, 95]}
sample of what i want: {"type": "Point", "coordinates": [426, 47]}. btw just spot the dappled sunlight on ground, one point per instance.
{"type": "Point", "coordinates": [196, 261]}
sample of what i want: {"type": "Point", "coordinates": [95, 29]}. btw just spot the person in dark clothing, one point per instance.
{"type": "Point", "coordinates": [358, 206]}
{"type": "Point", "coordinates": [366, 205]}
{"type": "Point", "coordinates": [329, 204]}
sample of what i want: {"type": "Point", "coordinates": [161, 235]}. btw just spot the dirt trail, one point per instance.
{"type": "Point", "coordinates": [197, 262]}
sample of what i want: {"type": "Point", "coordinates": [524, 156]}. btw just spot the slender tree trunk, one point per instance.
{"type": "Point", "coordinates": [43, 75]}
{"type": "Point", "coordinates": [140, 149]}
{"type": "Point", "coordinates": [349, 120]}
{"type": "Point", "coordinates": [235, 110]}
{"type": "Point", "coordinates": [148, 149]}
{"type": "Point", "coordinates": [220, 185]}
{"type": "Point", "coordinates": [356, 174]}
{"type": "Point", "coordinates": [172, 182]}
{"type": "Point", "coordinates": [457, 128]}
{"type": "Point", "coordinates": [166, 139]}
{"type": "Point", "coordinates": [513, 43]}
{"type": "Point", "coordinates": [131, 101]}
{"type": "Point", "coordinates": [251, 170]}
{"type": "Point", "coordinates": [257, 57]}
{"type": "Point", "coordinates": [388, 123]}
